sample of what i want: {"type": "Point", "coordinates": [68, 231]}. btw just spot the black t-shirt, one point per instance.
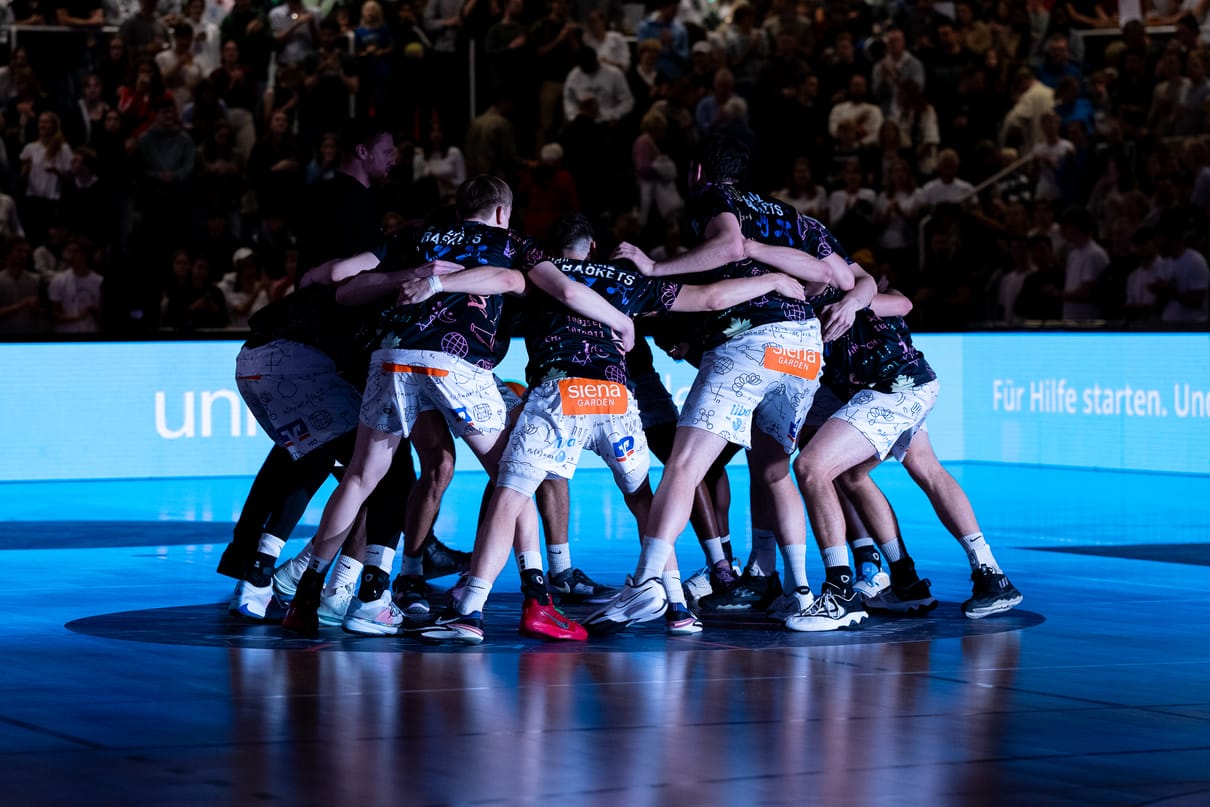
{"type": "Point", "coordinates": [566, 344]}
{"type": "Point", "coordinates": [771, 222]}
{"type": "Point", "coordinates": [463, 325]}
{"type": "Point", "coordinates": [342, 220]}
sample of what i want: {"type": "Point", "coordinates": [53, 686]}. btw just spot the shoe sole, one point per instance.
{"type": "Point", "coordinates": [912, 607]}
{"type": "Point", "coordinates": [561, 635]}
{"type": "Point", "coordinates": [996, 608]}
{"type": "Point", "coordinates": [849, 621]}
{"type": "Point", "coordinates": [606, 627]}
{"type": "Point", "coordinates": [691, 629]}
{"type": "Point", "coordinates": [450, 638]}
{"type": "Point", "coordinates": [364, 627]}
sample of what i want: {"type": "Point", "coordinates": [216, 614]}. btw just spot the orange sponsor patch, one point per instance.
{"type": "Point", "coordinates": [794, 361]}
{"type": "Point", "coordinates": [392, 367]}
{"type": "Point", "coordinates": [590, 396]}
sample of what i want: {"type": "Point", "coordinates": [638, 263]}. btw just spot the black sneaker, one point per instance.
{"type": "Point", "coordinates": [750, 593]}
{"type": "Point", "coordinates": [573, 586]}
{"type": "Point", "coordinates": [914, 598]}
{"type": "Point", "coordinates": [440, 560]}
{"type": "Point", "coordinates": [451, 627]}
{"type": "Point", "coordinates": [991, 593]}
{"type": "Point", "coordinates": [411, 594]}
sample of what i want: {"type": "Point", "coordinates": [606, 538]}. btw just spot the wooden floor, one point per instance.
{"type": "Point", "coordinates": [127, 684]}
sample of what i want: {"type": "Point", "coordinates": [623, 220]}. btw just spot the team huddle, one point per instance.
{"type": "Point", "coordinates": [799, 355]}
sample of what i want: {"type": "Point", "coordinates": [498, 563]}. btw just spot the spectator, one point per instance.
{"type": "Point", "coordinates": [248, 28]}
{"type": "Point", "coordinates": [918, 127]}
{"type": "Point", "coordinates": [207, 42]}
{"type": "Point", "coordinates": [898, 65]}
{"type": "Point", "coordinates": [330, 81]}
{"type": "Point", "coordinates": [556, 41]}
{"type": "Point", "coordinates": [605, 83]}
{"type": "Point", "coordinates": [803, 193]}
{"type": "Point", "coordinates": [1072, 107]}
{"type": "Point", "coordinates": [857, 110]}
{"type": "Point", "coordinates": [646, 82]}
{"type": "Point", "coordinates": [114, 69]}
{"type": "Point", "coordinates": [1050, 156]}
{"type": "Point", "coordinates": [1013, 281]}
{"type": "Point", "coordinates": [1190, 113]}
{"type": "Point", "coordinates": [245, 290]}
{"type": "Point", "coordinates": [972, 32]}
{"type": "Point", "coordinates": [137, 103]}
{"type": "Point", "coordinates": [1039, 297]}
{"type": "Point", "coordinates": [197, 304]}
{"type": "Point", "coordinates": [747, 48]}
{"type": "Point", "coordinates": [10, 220]}
{"type": "Point", "coordinates": [946, 64]}
{"type": "Point", "coordinates": [852, 197]}
{"type": "Point", "coordinates": [1057, 63]}
{"type": "Point", "coordinates": [896, 212]}
{"type": "Point", "coordinates": [1184, 277]}
{"type": "Point", "coordinates": [444, 163]}
{"type": "Point", "coordinates": [549, 192]}
{"type": "Point", "coordinates": [43, 162]}
{"type": "Point", "coordinates": [1086, 260]}
{"type": "Point", "coordinates": [327, 160]}
{"type": "Point", "coordinates": [1141, 301]}
{"type": "Point", "coordinates": [284, 95]}
{"type": "Point", "coordinates": [610, 46]}
{"type": "Point", "coordinates": [948, 188]}
{"type": "Point", "coordinates": [178, 69]}
{"type": "Point", "coordinates": [374, 44]}
{"type": "Point", "coordinates": [783, 20]}
{"type": "Point", "coordinates": [87, 114]}
{"type": "Point", "coordinates": [656, 173]}
{"type": "Point", "coordinates": [1031, 99]}
{"type": "Point", "coordinates": [221, 178]}
{"type": "Point", "coordinates": [709, 109]}
{"type": "Point", "coordinates": [295, 32]}
{"type": "Point", "coordinates": [275, 167]}
{"type": "Point", "coordinates": [839, 68]}
{"type": "Point", "coordinates": [443, 24]}
{"type": "Point", "coordinates": [664, 27]}
{"type": "Point", "coordinates": [84, 205]}
{"type": "Point", "coordinates": [19, 288]}
{"type": "Point", "coordinates": [75, 293]}
{"type": "Point", "coordinates": [143, 34]}
{"type": "Point", "coordinates": [491, 145]}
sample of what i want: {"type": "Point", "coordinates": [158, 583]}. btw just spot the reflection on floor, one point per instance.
{"type": "Point", "coordinates": [129, 685]}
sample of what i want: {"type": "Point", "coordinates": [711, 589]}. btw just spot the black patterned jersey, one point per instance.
{"type": "Point", "coordinates": [769, 221]}
{"type": "Point", "coordinates": [566, 345]}
{"type": "Point", "coordinates": [462, 325]}
{"type": "Point", "coordinates": [876, 353]}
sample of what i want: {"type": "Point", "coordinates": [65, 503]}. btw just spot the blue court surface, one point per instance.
{"type": "Point", "coordinates": [128, 684]}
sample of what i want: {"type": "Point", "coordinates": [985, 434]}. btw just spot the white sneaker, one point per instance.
{"type": "Point", "coordinates": [830, 611]}
{"type": "Point", "coordinates": [381, 617]}
{"type": "Point", "coordinates": [698, 585]}
{"type": "Point", "coordinates": [249, 601]}
{"type": "Point", "coordinates": [636, 602]}
{"type": "Point", "coordinates": [286, 577]}
{"type": "Point", "coordinates": [787, 605]}
{"type": "Point", "coordinates": [332, 607]}
{"type": "Point", "coordinates": [870, 583]}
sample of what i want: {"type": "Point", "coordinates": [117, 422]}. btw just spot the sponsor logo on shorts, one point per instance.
{"type": "Point", "coordinates": [624, 449]}
{"type": "Point", "coordinates": [462, 414]}
{"type": "Point", "coordinates": [589, 396]}
{"type": "Point", "coordinates": [293, 433]}
{"type": "Point", "coordinates": [793, 361]}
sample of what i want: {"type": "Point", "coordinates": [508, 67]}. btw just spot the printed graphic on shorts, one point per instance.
{"type": "Point", "coordinates": [623, 449]}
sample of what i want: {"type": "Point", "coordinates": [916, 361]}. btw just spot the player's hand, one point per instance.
{"type": "Point", "coordinates": [838, 318]}
{"type": "Point", "coordinates": [629, 252]}
{"type": "Point", "coordinates": [625, 337]}
{"type": "Point", "coordinates": [788, 286]}
{"type": "Point", "coordinates": [414, 291]}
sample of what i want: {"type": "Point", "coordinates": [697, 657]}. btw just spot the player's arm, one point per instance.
{"type": "Point", "coordinates": [583, 300]}
{"type": "Point", "coordinates": [724, 244]}
{"type": "Point", "coordinates": [726, 293]}
{"type": "Point", "coordinates": [838, 317]}
{"type": "Point", "coordinates": [483, 280]}
{"type": "Point", "coordinates": [832, 270]}
{"type": "Point", "coordinates": [891, 303]}
{"type": "Point", "coordinates": [367, 287]}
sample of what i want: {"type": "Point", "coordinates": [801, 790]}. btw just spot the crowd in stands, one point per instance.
{"type": "Point", "coordinates": [157, 155]}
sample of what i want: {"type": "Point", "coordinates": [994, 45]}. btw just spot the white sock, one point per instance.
{"type": "Point", "coordinates": [347, 571]}
{"type": "Point", "coordinates": [834, 556]}
{"type": "Point", "coordinates": [795, 557]}
{"type": "Point", "coordinates": [890, 551]}
{"type": "Point", "coordinates": [531, 559]}
{"type": "Point", "coordinates": [763, 560]}
{"type": "Point", "coordinates": [302, 561]}
{"type": "Point", "coordinates": [382, 557]}
{"type": "Point", "coordinates": [558, 556]}
{"type": "Point", "coordinates": [270, 545]}
{"type": "Point", "coordinates": [865, 541]}
{"type": "Point", "coordinates": [412, 566]}
{"type": "Point", "coordinates": [652, 559]}
{"type": "Point", "coordinates": [978, 552]}
{"type": "Point", "coordinates": [474, 595]}
{"type": "Point", "coordinates": [714, 550]}
{"type": "Point", "coordinates": [672, 585]}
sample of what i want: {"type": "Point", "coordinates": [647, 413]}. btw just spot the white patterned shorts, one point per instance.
{"type": "Point", "coordinates": [403, 383]}
{"type": "Point", "coordinates": [296, 394]}
{"type": "Point", "coordinates": [511, 399]}
{"type": "Point", "coordinates": [889, 420]}
{"type": "Point", "coordinates": [765, 377]}
{"type": "Point", "coordinates": [566, 416]}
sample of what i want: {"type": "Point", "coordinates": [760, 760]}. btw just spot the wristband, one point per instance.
{"type": "Point", "coordinates": [434, 284]}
